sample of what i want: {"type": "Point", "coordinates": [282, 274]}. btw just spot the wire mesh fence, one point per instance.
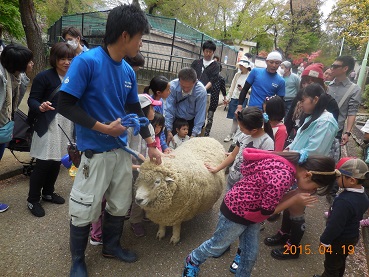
{"type": "Point", "coordinates": [170, 46]}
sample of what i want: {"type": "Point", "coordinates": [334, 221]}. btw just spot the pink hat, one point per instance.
{"type": "Point", "coordinates": [314, 70]}
{"type": "Point", "coordinates": [146, 100]}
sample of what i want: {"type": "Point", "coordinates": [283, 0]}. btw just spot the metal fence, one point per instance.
{"type": "Point", "coordinates": [169, 66]}
{"type": "Point", "coordinates": [170, 46]}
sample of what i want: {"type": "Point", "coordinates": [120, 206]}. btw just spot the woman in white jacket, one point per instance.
{"type": "Point", "coordinates": [238, 82]}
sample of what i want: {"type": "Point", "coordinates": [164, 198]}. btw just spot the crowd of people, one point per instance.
{"type": "Point", "coordinates": [287, 131]}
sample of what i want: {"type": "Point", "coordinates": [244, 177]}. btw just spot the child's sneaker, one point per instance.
{"type": "Point", "coordinates": [234, 265]}
{"type": "Point", "coordinates": [227, 138]}
{"type": "Point", "coordinates": [96, 241]}
{"type": "Point", "coordinates": [326, 214]}
{"type": "Point", "coordinates": [3, 207]}
{"type": "Point", "coordinates": [364, 222]}
{"type": "Point", "coordinates": [190, 269]}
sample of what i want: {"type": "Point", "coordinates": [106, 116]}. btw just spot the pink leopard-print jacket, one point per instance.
{"type": "Point", "coordinates": [266, 178]}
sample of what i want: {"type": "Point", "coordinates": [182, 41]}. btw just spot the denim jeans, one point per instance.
{"type": "Point", "coordinates": [225, 234]}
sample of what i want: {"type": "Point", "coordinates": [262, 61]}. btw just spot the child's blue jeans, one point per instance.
{"type": "Point", "coordinates": [225, 234]}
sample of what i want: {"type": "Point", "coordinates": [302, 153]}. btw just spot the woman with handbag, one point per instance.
{"type": "Point", "coordinates": [48, 141]}
{"type": "Point", "coordinates": [15, 61]}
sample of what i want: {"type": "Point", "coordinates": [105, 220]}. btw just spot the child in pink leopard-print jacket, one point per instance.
{"type": "Point", "coordinates": [267, 176]}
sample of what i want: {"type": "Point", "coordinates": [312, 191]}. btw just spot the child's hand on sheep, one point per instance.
{"type": "Point", "coordinates": [211, 168]}
{"type": "Point", "coordinates": [170, 155]}
{"type": "Point", "coordinates": [168, 150]}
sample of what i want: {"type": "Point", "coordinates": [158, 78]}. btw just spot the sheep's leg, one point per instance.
{"type": "Point", "coordinates": [161, 232]}
{"type": "Point", "coordinates": [176, 234]}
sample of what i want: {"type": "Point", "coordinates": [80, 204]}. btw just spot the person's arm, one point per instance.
{"type": "Point", "coordinates": [36, 94]}
{"type": "Point", "coordinates": [280, 138]}
{"type": "Point", "coordinates": [212, 73]}
{"type": "Point", "coordinates": [163, 143]}
{"type": "Point", "coordinates": [67, 107]}
{"type": "Point", "coordinates": [292, 198]}
{"type": "Point", "coordinates": [353, 107]}
{"type": "Point", "coordinates": [336, 221]}
{"type": "Point", "coordinates": [350, 121]}
{"type": "Point", "coordinates": [200, 109]}
{"type": "Point", "coordinates": [243, 94]}
{"type": "Point", "coordinates": [274, 192]}
{"type": "Point", "coordinates": [281, 90]}
{"type": "Point", "coordinates": [226, 162]}
{"type": "Point", "coordinates": [169, 111]}
{"type": "Point", "coordinates": [222, 86]}
{"type": "Point", "coordinates": [321, 139]}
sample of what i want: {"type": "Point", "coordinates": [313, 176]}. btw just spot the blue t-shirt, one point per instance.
{"type": "Point", "coordinates": [264, 84]}
{"type": "Point", "coordinates": [103, 87]}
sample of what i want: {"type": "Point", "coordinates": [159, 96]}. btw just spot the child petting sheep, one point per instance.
{"type": "Point", "coordinates": [267, 176]}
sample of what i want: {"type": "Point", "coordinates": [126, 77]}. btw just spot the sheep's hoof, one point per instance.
{"type": "Point", "coordinates": [160, 234]}
{"type": "Point", "coordinates": [174, 240]}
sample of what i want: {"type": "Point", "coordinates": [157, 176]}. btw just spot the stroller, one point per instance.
{"type": "Point", "coordinates": [21, 141]}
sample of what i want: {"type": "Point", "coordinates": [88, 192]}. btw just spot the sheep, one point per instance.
{"type": "Point", "coordinates": [181, 187]}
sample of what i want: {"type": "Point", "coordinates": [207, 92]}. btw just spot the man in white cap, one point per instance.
{"type": "Point", "coordinates": [265, 82]}
{"type": "Point", "coordinates": [292, 83]}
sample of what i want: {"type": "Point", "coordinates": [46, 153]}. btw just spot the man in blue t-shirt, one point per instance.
{"type": "Point", "coordinates": [96, 90]}
{"type": "Point", "coordinates": [265, 82]}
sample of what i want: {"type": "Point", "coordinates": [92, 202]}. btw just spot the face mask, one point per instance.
{"type": "Point", "coordinates": [280, 71]}
{"type": "Point", "coordinates": [73, 43]}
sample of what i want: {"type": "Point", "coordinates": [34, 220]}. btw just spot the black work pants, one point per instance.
{"type": "Point", "coordinates": [335, 262]}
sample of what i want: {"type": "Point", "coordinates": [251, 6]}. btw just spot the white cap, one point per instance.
{"type": "Point", "coordinates": [275, 56]}
{"type": "Point", "coordinates": [244, 61]}
{"type": "Point", "coordinates": [146, 100]}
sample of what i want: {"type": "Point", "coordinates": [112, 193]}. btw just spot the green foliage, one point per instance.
{"type": "Point", "coordinates": [350, 19]}
{"type": "Point", "coordinates": [51, 10]}
{"type": "Point", "coordinates": [300, 28]}
{"type": "Point", "coordinates": [10, 18]}
{"type": "Point", "coordinates": [366, 96]}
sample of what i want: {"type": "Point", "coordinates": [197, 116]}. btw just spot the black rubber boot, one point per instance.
{"type": "Point", "coordinates": [112, 232]}
{"type": "Point", "coordinates": [283, 234]}
{"type": "Point", "coordinates": [291, 250]}
{"type": "Point", "coordinates": [78, 244]}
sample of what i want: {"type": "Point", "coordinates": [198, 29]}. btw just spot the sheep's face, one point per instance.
{"type": "Point", "coordinates": [154, 190]}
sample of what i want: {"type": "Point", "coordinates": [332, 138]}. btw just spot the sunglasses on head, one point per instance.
{"type": "Point", "coordinates": [334, 66]}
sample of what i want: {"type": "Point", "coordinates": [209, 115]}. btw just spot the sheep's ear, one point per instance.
{"type": "Point", "coordinates": [169, 180]}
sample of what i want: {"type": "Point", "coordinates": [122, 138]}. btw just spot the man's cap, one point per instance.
{"type": "Point", "coordinates": [244, 61]}
{"type": "Point", "coordinates": [146, 100]}
{"type": "Point", "coordinates": [314, 70]}
{"type": "Point", "coordinates": [287, 64]}
{"type": "Point", "coordinates": [353, 167]}
{"type": "Point", "coordinates": [275, 56]}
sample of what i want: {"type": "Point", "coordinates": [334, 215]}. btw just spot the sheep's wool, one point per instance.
{"type": "Point", "coordinates": [181, 187]}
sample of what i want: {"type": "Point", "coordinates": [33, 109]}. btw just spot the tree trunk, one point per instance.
{"type": "Point", "coordinates": [293, 31]}
{"type": "Point", "coordinates": [33, 35]}
{"type": "Point", "coordinates": [66, 6]}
